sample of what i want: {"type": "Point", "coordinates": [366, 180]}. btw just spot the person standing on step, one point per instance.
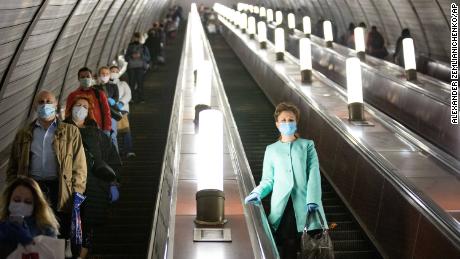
{"type": "Point", "coordinates": [138, 58]}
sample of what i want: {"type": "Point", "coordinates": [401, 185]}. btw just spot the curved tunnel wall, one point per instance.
{"type": "Point", "coordinates": [428, 20]}
{"type": "Point", "coordinates": [43, 43]}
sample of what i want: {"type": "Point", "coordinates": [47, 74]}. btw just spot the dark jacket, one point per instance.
{"type": "Point", "coordinates": [110, 89]}
{"type": "Point", "coordinates": [153, 42]}
{"type": "Point", "coordinates": [137, 55]}
{"type": "Point", "coordinates": [97, 147]}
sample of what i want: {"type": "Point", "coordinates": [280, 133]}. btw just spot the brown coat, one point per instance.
{"type": "Point", "coordinates": [70, 156]}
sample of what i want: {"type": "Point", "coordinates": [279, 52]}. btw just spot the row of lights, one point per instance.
{"type": "Point", "coordinates": [359, 34]}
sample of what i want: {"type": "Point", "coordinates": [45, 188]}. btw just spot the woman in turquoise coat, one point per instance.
{"type": "Point", "coordinates": [291, 173]}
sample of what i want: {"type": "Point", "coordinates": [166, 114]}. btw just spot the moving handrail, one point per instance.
{"type": "Point", "coordinates": [447, 225]}
{"type": "Point", "coordinates": [163, 224]}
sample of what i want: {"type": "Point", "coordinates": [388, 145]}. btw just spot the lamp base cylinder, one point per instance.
{"type": "Point", "coordinates": [279, 56]}
{"type": "Point", "coordinates": [307, 35]}
{"type": "Point", "coordinates": [199, 108]}
{"type": "Point", "coordinates": [361, 55]}
{"type": "Point", "coordinates": [263, 45]}
{"type": "Point", "coordinates": [243, 30]}
{"type": "Point", "coordinates": [356, 111]}
{"type": "Point", "coordinates": [306, 76]}
{"type": "Point", "coordinates": [251, 36]}
{"type": "Point", "coordinates": [411, 74]}
{"type": "Point", "coordinates": [291, 31]}
{"type": "Point", "coordinates": [329, 44]}
{"type": "Point", "coordinates": [210, 207]}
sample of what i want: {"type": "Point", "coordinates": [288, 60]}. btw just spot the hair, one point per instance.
{"type": "Point", "coordinates": [114, 66]}
{"type": "Point", "coordinates": [102, 68]}
{"type": "Point", "coordinates": [40, 94]}
{"type": "Point", "coordinates": [84, 69]}
{"type": "Point", "coordinates": [42, 212]}
{"type": "Point", "coordinates": [287, 107]}
{"type": "Point", "coordinates": [405, 32]}
{"type": "Point", "coordinates": [90, 118]}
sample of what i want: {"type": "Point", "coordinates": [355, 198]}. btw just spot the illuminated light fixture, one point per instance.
{"type": "Point", "coordinates": [243, 22]}
{"type": "Point", "coordinates": [306, 26]}
{"type": "Point", "coordinates": [409, 59]}
{"type": "Point", "coordinates": [278, 18]}
{"type": "Point", "coordinates": [262, 34]}
{"type": "Point", "coordinates": [355, 90]}
{"type": "Point", "coordinates": [203, 83]}
{"type": "Point", "coordinates": [327, 27]}
{"type": "Point", "coordinates": [262, 12]}
{"type": "Point", "coordinates": [237, 19]}
{"type": "Point", "coordinates": [251, 8]}
{"type": "Point", "coordinates": [305, 60]}
{"type": "Point", "coordinates": [210, 198]}
{"type": "Point", "coordinates": [251, 27]}
{"type": "Point", "coordinates": [240, 7]}
{"type": "Point", "coordinates": [256, 10]}
{"type": "Point", "coordinates": [360, 46]}
{"type": "Point", "coordinates": [291, 22]}
{"type": "Point", "coordinates": [279, 44]}
{"type": "Point", "coordinates": [269, 15]}
{"type": "Point", "coordinates": [193, 8]}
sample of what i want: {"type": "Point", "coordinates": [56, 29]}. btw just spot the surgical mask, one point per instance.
{"type": "Point", "coordinates": [79, 113]}
{"type": "Point", "coordinates": [104, 79]}
{"type": "Point", "coordinates": [86, 82]}
{"type": "Point", "coordinates": [114, 76]}
{"type": "Point", "coordinates": [46, 110]}
{"type": "Point", "coordinates": [20, 209]}
{"type": "Point", "coordinates": [287, 128]}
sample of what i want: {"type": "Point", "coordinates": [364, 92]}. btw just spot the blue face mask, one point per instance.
{"type": "Point", "coordinates": [287, 128]}
{"type": "Point", "coordinates": [46, 111]}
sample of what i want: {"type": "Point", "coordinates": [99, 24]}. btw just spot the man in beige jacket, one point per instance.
{"type": "Point", "coordinates": [52, 153]}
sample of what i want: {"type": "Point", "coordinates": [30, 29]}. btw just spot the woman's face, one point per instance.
{"type": "Point", "coordinates": [285, 116]}
{"type": "Point", "coordinates": [22, 194]}
{"type": "Point", "coordinates": [82, 102]}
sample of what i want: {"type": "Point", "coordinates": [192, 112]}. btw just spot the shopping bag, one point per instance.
{"type": "Point", "coordinates": [76, 233]}
{"type": "Point", "coordinates": [318, 246]}
{"type": "Point", "coordinates": [43, 247]}
{"type": "Point", "coordinates": [123, 124]}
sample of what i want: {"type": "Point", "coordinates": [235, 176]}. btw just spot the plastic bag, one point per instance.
{"type": "Point", "coordinates": [76, 232]}
{"type": "Point", "coordinates": [318, 246]}
{"type": "Point", "coordinates": [43, 247]}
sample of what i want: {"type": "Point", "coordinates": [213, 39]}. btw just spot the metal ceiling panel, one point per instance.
{"type": "Point", "coordinates": [16, 16]}
{"type": "Point", "coordinates": [15, 4]}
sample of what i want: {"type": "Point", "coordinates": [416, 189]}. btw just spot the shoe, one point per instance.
{"type": "Point", "coordinates": [130, 154]}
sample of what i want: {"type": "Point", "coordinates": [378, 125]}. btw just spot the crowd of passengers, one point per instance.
{"type": "Point", "coordinates": [62, 166]}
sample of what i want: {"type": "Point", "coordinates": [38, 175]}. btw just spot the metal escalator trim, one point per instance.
{"type": "Point", "coordinates": [426, 207]}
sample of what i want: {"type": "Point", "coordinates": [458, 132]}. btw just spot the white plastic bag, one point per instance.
{"type": "Point", "coordinates": [43, 247]}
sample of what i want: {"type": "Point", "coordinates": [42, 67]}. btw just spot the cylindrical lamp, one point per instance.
{"type": "Point", "coordinates": [305, 60]}
{"type": "Point", "coordinates": [279, 44]}
{"type": "Point", "coordinates": [237, 19]}
{"type": "Point", "coordinates": [251, 27]}
{"type": "Point", "coordinates": [306, 26]}
{"type": "Point", "coordinates": [250, 8]}
{"type": "Point", "coordinates": [278, 18]}
{"type": "Point", "coordinates": [243, 22]}
{"type": "Point", "coordinates": [262, 34]}
{"type": "Point", "coordinates": [291, 22]}
{"type": "Point", "coordinates": [328, 36]}
{"type": "Point", "coordinates": [360, 45]}
{"type": "Point", "coordinates": [269, 15]}
{"type": "Point", "coordinates": [256, 10]}
{"type": "Point", "coordinates": [262, 12]}
{"type": "Point", "coordinates": [240, 7]}
{"type": "Point", "coordinates": [210, 197]}
{"type": "Point", "coordinates": [203, 83]}
{"type": "Point", "coordinates": [354, 90]}
{"type": "Point", "coordinates": [409, 59]}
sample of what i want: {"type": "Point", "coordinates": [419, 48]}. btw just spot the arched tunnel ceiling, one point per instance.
{"type": "Point", "coordinates": [43, 43]}
{"type": "Point", "coordinates": [428, 20]}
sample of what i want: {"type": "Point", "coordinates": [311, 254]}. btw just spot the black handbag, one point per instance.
{"type": "Point", "coordinates": [103, 171]}
{"type": "Point", "coordinates": [115, 113]}
{"type": "Point", "coordinates": [319, 245]}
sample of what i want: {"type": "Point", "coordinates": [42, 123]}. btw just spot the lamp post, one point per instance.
{"type": "Point", "coordinates": [360, 45]}
{"type": "Point", "coordinates": [409, 59]}
{"type": "Point", "coordinates": [279, 44]}
{"type": "Point", "coordinates": [278, 18]}
{"type": "Point", "coordinates": [256, 10]}
{"type": "Point", "coordinates": [291, 22]}
{"type": "Point", "coordinates": [262, 12]}
{"type": "Point", "coordinates": [328, 37]}
{"type": "Point", "coordinates": [305, 60]}
{"type": "Point", "coordinates": [269, 15]}
{"type": "Point", "coordinates": [354, 90]}
{"type": "Point", "coordinates": [306, 26]}
{"type": "Point", "coordinates": [251, 27]}
{"type": "Point", "coordinates": [262, 34]}
{"type": "Point", "coordinates": [243, 22]}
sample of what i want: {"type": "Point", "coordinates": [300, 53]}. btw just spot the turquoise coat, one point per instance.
{"type": "Point", "coordinates": [292, 169]}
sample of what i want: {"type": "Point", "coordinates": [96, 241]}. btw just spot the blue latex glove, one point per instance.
{"type": "Point", "coordinates": [312, 207]}
{"type": "Point", "coordinates": [111, 101]}
{"type": "Point", "coordinates": [120, 106]}
{"type": "Point", "coordinates": [107, 132]}
{"type": "Point", "coordinates": [114, 194]}
{"type": "Point", "coordinates": [252, 198]}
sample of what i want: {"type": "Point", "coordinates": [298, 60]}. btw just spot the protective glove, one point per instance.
{"type": "Point", "coordinates": [120, 106]}
{"type": "Point", "coordinates": [252, 198]}
{"type": "Point", "coordinates": [107, 132]}
{"type": "Point", "coordinates": [20, 233]}
{"type": "Point", "coordinates": [114, 194]}
{"type": "Point", "coordinates": [312, 207]}
{"type": "Point", "coordinates": [111, 101]}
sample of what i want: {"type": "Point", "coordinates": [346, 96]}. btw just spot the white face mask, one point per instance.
{"type": "Point", "coordinates": [104, 79]}
{"type": "Point", "coordinates": [79, 113]}
{"type": "Point", "coordinates": [20, 209]}
{"type": "Point", "coordinates": [114, 76]}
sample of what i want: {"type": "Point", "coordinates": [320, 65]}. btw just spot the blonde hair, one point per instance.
{"type": "Point", "coordinates": [42, 212]}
